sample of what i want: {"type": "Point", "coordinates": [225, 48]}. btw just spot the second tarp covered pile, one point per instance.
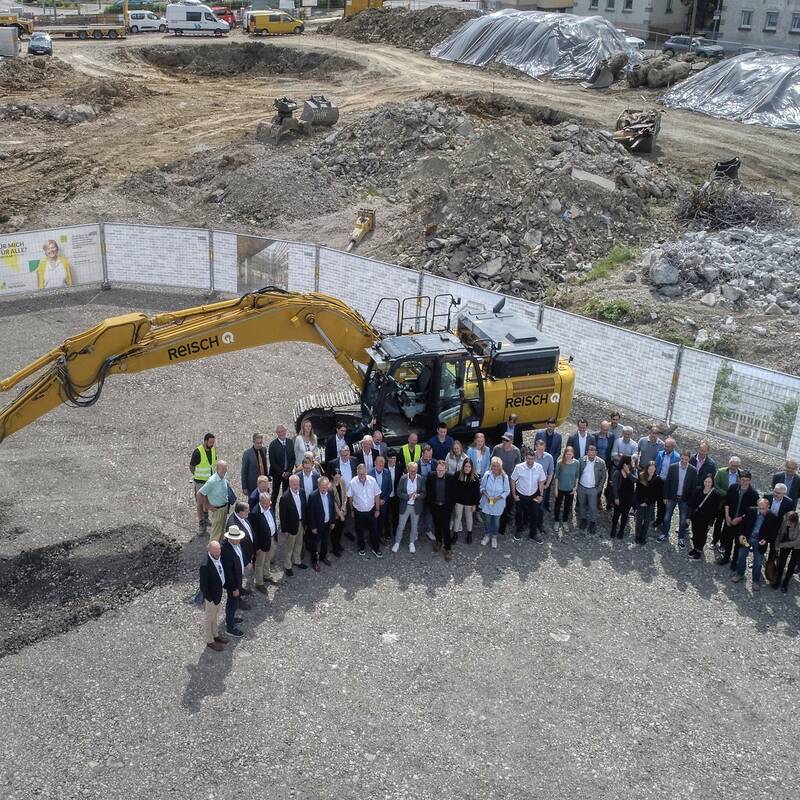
{"type": "Point", "coordinates": [561, 46]}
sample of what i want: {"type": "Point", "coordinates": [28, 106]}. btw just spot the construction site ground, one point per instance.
{"type": "Point", "coordinates": [573, 668]}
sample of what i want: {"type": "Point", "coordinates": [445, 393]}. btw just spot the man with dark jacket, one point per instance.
{"type": "Point", "coordinates": [334, 444]}
{"type": "Point", "coordinates": [511, 426]}
{"type": "Point", "coordinates": [738, 499]}
{"type": "Point", "coordinates": [321, 518]}
{"type": "Point", "coordinates": [726, 478]}
{"type": "Point", "coordinates": [293, 514]}
{"type": "Point", "coordinates": [281, 462]}
{"type": "Point", "coordinates": [758, 531]}
{"type": "Point", "coordinates": [254, 463]}
{"type": "Point", "coordinates": [703, 462]}
{"type": "Point", "coordinates": [552, 439]}
{"type": "Point", "coordinates": [233, 566]}
{"type": "Point", "coordinates": [212, 579]}
{"type": "Point", "coordinates": [678, 491]}
{"type": "Point", "coordinates": [790, 479]}
{"type": "Point", "coordinates": [265, 531]}
{"type": "Point", "coordinates": [384, 480]}
{"type": "Point", "coordinates": [581, 439]}
{"type": "Point", "coordinates": [262, 485]}
{"type": "Point", "coordinates": [439, 496]}
{"type": "Point", "coordinates": [240, 519]}
{"type": "Point", "coordinates": [779, 503]}
{"type": "Point", "coordinates": [345, 464]}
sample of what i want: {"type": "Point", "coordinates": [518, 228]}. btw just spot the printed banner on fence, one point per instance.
{"type": "Point", "coordinates": [54, 259]}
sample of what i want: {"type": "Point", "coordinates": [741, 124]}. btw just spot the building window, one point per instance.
{"type": "Point", "coordinates": [745, 23]}
{"type": "Point", "coordinates": [771, 21]}
{"type": "Point", "coordinates": [628, 5]}
{"type": "Point", "coordinates": [594, 3]}
{"type": "Point", "coordinates": [668, 9]}
{"type": "Point", "coordinates": [610, 5]}
{"type": "Point", "coordinates": [795, 28]}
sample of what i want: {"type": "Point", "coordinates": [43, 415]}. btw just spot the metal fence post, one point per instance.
{"type": "Point", "coordinates": [316, 267]}
{"type": "Point", "coordinates": [210, 260]}
{"type": "Point", "coordinates": [104, 255]}
{"type": "Point", "coordinates": [673, 389]}
{"type": "Point", "coordinates": [540, 321]}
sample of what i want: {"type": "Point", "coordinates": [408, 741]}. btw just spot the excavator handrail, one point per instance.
{"type": "Point", "coordinates": [75, 372]}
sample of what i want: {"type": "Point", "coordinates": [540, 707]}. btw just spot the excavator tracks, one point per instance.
{"type": "Point", "coordinates": [326, 402]}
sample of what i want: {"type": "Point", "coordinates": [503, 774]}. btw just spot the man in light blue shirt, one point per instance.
{"type": "Point", "coordinates": [215, 494]}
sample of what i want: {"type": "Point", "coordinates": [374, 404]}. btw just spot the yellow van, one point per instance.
{"type": "Point", "coordinates": [273, 22]}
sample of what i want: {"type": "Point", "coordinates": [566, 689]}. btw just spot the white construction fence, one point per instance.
{"type": "Point", "coordinates": [655, 378]}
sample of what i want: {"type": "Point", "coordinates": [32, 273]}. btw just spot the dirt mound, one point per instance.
{"type": "Point", "coordinates": [417, 30]}
{"type": "Point", "coordinates": [50, 590]}
{"type": "Point", "coordinates": [28, 73]}
{"type": "Point", "coordinates": [107, 93]}
{"type": "Point", "coordinates": [251, 58]}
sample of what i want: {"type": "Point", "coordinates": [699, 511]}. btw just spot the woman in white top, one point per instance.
{"type": "Point", "coordinates": [53, 271]}
{"type": "Point", "coordinates": [480, 454]}
{"type": "Point", "coordinates": [455, 458]}
{"type": "Point", "coordinates": [306, 442]}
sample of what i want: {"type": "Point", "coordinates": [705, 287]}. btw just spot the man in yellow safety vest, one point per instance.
{"type": "Point", "coordinates": [410, 451]}
{"type": "Point", "coordinates": [202, 465]}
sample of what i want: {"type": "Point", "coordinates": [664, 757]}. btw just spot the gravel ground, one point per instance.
{"type": "Point", "coordinates": [576, 668]}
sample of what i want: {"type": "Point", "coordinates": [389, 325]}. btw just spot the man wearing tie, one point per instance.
{"type": "Point", "coordinates": [281, 462]}
{"type": "Point", "coordinates": [321, 516]}
{"type": "Point", "coordinates": [293, 517]}
{"type": "Point", "coordinates": [265, 531]}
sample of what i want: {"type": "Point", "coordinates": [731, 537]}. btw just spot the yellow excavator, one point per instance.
{"type": "Point", "coordinates": [469, 373]}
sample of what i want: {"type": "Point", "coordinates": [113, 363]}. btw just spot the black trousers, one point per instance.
{"type": "Point", "coordinates": [564, 500]}
{"type": "Point", "coordinates": [336, 535]}
{"type": "Point", "coordinates": [620, 517]}
{"type": "Point", "coordinates": [441, 524]}
{"type": "Point", "coordinates": [278, 485]}
{"type": "Point", "coordinates": [719, 524]}
{"type": "Point", "coordinates": [793, 557]}
{"type": "Point", "coordinates": [700, 532]}
{"type": "Point", "coordinates": [391, 517]}
{"type": "Point", "coordinates": [644, 518]}
{"type": "Point", "coordinates": [366, 525]}
{"type": "Point", "coordinates": [507, 515]}
{"type": "Point", "coordinates": [231, 607]}
{"type": "Point", "coordinates": [729, 542]}
{"type": "Point", "coordinates": [661, 510]}
{"type": "Point", "coordinates": [529, 514]}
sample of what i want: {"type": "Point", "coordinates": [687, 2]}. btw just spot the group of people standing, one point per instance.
{"type": "Point", "coordinates": [376, 496]}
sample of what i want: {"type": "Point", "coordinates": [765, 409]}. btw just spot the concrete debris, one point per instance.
{"type": "Point", "coordinates": [416, 30]}
{"type": "Point", "coordinates": [56, 113]}
{"type": "Point", "coordinates": [663, 70]}
{"type": "Point", "coordinates": [596, 180]}
{"type": "Point", "coordinates": [736, 269]}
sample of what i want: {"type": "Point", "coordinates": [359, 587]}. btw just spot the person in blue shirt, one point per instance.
{"type": "Point", "coordinates": [442, 443]}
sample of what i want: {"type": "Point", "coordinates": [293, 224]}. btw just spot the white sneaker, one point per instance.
{"type": "Point", "coordinates": [430, 535]}
{"type": "Point", "coordinates": [485, 541]}
{"type": "Point", "coordinates": [395, 547]}
{"type": "Point", "coordinates": [412, 548]}
{"type": "Point", "coordinates": [494, 542]}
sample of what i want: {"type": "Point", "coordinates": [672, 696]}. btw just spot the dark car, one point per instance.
{"type": "Point", "coordinates": [684, 44]}
{"type": "Point", "coordinates": [40, 44]}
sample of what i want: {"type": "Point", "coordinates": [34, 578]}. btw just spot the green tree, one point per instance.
{"type": "Point", "coordinates": [782, 422]}
{"type": "Point", "coordinates": [726, 394]}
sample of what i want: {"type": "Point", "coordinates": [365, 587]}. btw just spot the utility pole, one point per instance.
{"type": "Point", "coordinates": [691, 26]}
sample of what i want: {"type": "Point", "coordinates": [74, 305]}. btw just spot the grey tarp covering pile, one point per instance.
{"type": "Point", "coordinates": [561, 46]}
{"type": "Point", "coordinates": [756, 88]}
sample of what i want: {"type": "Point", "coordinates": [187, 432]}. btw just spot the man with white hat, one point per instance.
{"type": "Point", "coordinates": [233, 567]}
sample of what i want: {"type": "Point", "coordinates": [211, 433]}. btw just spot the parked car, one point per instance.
{"type": "Point", "coordinates": [683, 44]}
{"type": "Point", "coordinates": [225, 14]}
{"type": "Point", "coordinates": [191, 17]}
{"type": "Point", "coordinates": [632, 41]}
{"type": "Point", "coordinates": [40, 44]}
{"type": "Point", "coordinates": [146, 21]}
{"type": "Point", "coordinates": [272, 22]}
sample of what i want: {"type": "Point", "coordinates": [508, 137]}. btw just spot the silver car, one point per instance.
{"type": "Point", "coordinates": [684, 44]}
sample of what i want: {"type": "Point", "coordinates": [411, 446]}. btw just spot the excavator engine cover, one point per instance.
{"type": "Point", "coordinates": [319, 111]}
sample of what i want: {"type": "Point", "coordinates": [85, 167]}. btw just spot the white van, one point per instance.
{"type": "Point", "coordinates": [145, 21]}
{"type": "Point", "coordinates": [193, 17]}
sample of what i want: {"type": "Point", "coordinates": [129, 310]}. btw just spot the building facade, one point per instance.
{"type": "Point", "coordinates": [762, 23]}
{"type": "Point", "coordinates": [636, 16]}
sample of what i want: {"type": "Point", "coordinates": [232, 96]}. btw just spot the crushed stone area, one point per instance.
{"type": "Point", "coordinates": [416, 30]}
{"type": "Point", "coordinates": [250, 58]}
{"type": "Point", "coordinates": [489, 663]}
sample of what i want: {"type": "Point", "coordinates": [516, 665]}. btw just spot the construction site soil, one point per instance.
{"type": "Point", "coordinates": [422, 677]}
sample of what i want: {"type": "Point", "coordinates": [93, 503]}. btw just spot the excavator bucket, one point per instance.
{"type": "Point", "coordinates": [602, 78]}
{"type": "Point", "coordinates": [365, 222]}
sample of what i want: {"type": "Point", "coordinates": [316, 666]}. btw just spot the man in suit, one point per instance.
{"type": "Point", "coordinates": [254, 463]}
{"type": "Point", "coordinates": [368, 454]}
{"type": "Point", "coordinates": [678, 491]}
{"type": "Point", "coordinates": [293, 514]}
{"type": "Point", "coordinates": [239, 519]}
{"type": "Point", "coordinates": [233, 567]}
{"type": "Point", "coordinates": [308, 476]}
{"type": "Point", "coordinates": [378, 443]}
{"type": "Point", "coordinates": [581, 439]}
{"type": "Point", "coordinates": [790, 479]}
{"type": "Point", "coordinates": [592, 474]}
{"type": "Point", "coordinates": [665, 459]}
{"type": "Point", "coordinates": [281, 462]}
{"type": "Point", "coordinates": [265, 531]}
{"type": "Point", "coordinates": [212, 579]}
{"type": "Point", "coordinates": [346, 465]}
{"type": "Point", "coordinates": [604, 440]}
{"type": "Point", "coordinates": [552, 444]}
{"type": "Point", "coordinates": [779, 502]}
{"type": "Point", "coordinates": [321, 518]}
{"type": "Point", "coordinates": [393, 510]}
{"type": "Point", "coordinates": [758, 531]}
{"type": "Point", "coordinates": [262, 485]}
{"type": "Point", "coordinates": [703, 462]}
{"type": "Point", "coordinates": [335, 443]}
{"type": "Point", "coordinates": [738, 499]}
{"type": "Point", "coordinates": [509, 426]}
{"type": "Point", "coordinates": [384, 481]}
{"type": "Point", "coordinates": [440, 497]}
{"type": "Point", "coordinates": [726, 478]}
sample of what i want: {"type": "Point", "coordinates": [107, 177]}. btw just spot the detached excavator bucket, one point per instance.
{"type": "Point", "coordinates": [602, 78]}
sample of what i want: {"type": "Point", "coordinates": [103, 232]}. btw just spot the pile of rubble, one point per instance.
{"type": "Point", "coordinates": [27, 73]}
{"type": "Point", "coordinates": [416, 30]}
{"type": "Point", "coordinates": [56, 113]}
{"type": "Point", "coordinates": [499, 204]}
{"type": "Point", "coordinates": [735, 269]}
{"type": "Point", "coordinates": [662, 70]}
{"type": "Point", "coordinates": [108, 93]}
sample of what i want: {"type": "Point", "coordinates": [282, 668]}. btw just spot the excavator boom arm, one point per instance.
{"type": "Point", "coordinates": [75, 372]}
